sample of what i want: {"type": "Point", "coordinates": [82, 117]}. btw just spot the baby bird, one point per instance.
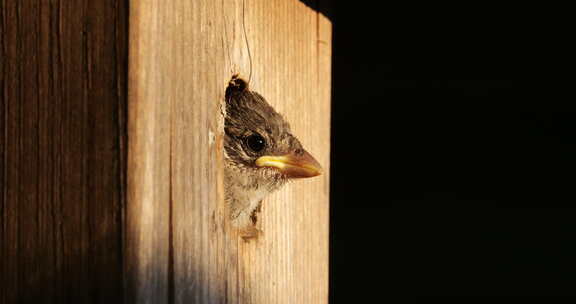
{"type": "Point", "coordinates": [261, 154]}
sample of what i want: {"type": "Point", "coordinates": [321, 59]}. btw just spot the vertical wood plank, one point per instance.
{"type": "Point", "coordinates": [180, 247]}
{"type": "Point", "coordinates": [63, 66]}
{"type": "Point", "coordinates": [149, 159]}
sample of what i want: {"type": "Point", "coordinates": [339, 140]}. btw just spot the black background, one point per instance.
{"type": "Point", "coordinates": [452, 173]}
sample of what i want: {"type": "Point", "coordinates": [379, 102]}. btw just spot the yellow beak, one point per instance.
{"type": "Point", "coordinates": [292, 165]}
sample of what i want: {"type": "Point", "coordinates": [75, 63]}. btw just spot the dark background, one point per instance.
{"type": "Point", "coordinates": [452, 172]}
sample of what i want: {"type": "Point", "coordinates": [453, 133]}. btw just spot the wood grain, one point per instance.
{"type": "Point", "coordinates": [180, 247]}
{"type": "Point", "coordinates": [63, 83]}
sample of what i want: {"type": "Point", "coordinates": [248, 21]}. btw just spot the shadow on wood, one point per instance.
{"type": "Point", "coordinates": [63, 151]}
{"type": "Point", "coordinates": [324, 7]}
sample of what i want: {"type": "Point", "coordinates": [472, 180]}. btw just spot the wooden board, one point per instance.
{"type": "Point", "coordinates": [180, 247]}
{"type": "Point", "coordinates": [62, 115]}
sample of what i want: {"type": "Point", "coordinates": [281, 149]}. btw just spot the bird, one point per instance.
{"type": "Point", "coordinates": [260, 154]}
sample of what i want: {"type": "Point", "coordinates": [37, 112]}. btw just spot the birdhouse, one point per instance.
{"type": "Point", "coordinates": [113, 151]}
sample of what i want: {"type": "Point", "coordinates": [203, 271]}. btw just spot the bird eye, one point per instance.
{"type": "Point", "coordinates": [255, 142]}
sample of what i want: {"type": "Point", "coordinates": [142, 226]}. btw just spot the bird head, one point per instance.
{"type": "Point", "coordinates": [259, 145]}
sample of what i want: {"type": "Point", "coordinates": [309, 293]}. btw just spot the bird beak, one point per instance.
{"type": "Point", "coordinates": [292, 165]}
